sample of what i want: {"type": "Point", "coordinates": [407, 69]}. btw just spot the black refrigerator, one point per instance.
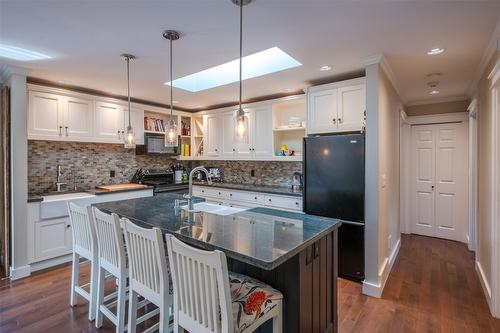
{"type": "Point", "coordinates": [334, 186]}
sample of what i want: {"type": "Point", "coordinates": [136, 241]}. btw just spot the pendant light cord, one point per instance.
{"type": "Point", "coordinates": [128, 89]}
{"type": "Point", "coordinates": [241, 49]}
{"type": "Point", "coordinates": [171, 84]}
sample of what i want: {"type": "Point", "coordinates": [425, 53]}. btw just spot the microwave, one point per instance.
{"type": "Point", "coordinates": [155, 144]}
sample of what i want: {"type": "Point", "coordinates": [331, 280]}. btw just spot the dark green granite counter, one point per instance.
{"type": "Point", "coordinates": [261, 237]}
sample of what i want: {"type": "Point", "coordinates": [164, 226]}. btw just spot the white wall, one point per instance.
{"type": "Point", "coordinates": [382, 211]}
{"type": "Point", "coordinates": [16, 80]}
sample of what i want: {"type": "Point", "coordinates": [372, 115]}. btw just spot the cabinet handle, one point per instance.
{"type": "Point", "coordinates": [334, 120]}
{"type": "Point", "coordinates": [255, 198]}
{"type": "Point", "coordinates": [66, 128]}
{"type": "Point", "coordinates": [118, 134]}
{"type": "Point", "coordinates": [60, 130]}
{"type": "Point", "coordinates": [68, 226]}
{"type": "Point", "coordinates": [340, 120]}
{"type": "Point", "coordinates": [269, 200]}
{"type": "Point", "coordinates": [220, 193]}
{"type": "Point", "coordinates": [234, 149]}
{"type": "Point", "coordinates": [296, 203]}
{"type": "Point", "coordinates": [230, 194]}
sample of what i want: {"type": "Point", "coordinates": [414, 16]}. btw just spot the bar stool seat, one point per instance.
{"type": "Point", "coordinates": [251, 300]}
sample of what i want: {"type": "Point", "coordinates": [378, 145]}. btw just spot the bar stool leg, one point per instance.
{"type": "Point", "coordinates": [75, 270]}
{"type": "Point", "coordinates": [94, 271]}
{"type": "Point", "coordinates": [120, 310]}
{"type": "Point", "coordinates": [100, 296]}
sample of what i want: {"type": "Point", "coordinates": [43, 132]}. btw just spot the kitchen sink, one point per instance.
{"type": "Point", "coordinates": [214, 209]}
{"type": "Point", "coordinates": [56, 205]}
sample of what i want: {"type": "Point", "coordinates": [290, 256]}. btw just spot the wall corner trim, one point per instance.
{"type": "Point", "coordinates": [484, 282]}
{"type": "Point", "coordinates": [6, 71]}
{"type": "Point", "coordinates": [19, 272]}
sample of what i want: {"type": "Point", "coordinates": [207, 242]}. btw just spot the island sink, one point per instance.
{"type": "Point", "coordinates": [213, 209]}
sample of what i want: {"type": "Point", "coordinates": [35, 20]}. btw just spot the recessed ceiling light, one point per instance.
{"type": "Point", "coordinates": [434, 92]}
{"type": "Point", "coordinates": [17, 53]}
{"type": "Point", "coordinates": [261, 63]}
{"type": "Point", "coordinates": [436, 51]}
{"type": "Point", "coordinates": [325, 68]}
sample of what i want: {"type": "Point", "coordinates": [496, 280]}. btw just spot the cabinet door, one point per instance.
{"type": "Point", "coordinates": [78, 118]}
{"type": "Point", "coordinates": [52, 238]}
{"type": "Point", "coordinates": [228, 134]}
{"type": "Point", "coordinates": [262, 136]}
{"type": "Point", "coordinates": [109, 122]}
{"type": "Point", "coordinates": [322, 111]}
{"type": "Point", "coordinates": [45, 116]}
{"type": "Point", "coordinates": [137, 122]}
{"type": "Point", "coordinates": [212, 135]}
{"type": "Point", "coordinates": [351, 108]}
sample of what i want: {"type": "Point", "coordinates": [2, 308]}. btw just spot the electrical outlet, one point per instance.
{"type": "Point", "coordinates": [252, 173]}
{"type": "Point", "coordinates": [112, 173]}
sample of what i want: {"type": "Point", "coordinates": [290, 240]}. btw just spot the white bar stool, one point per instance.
{"type": "Point", "coordinates": [112, 259]}
{"type": "Point", "coordinates": [148, 275]}
{"type": "Point", "coordinates": [85, 246]}
{"type": "Point", "coordinates": [207, 298]}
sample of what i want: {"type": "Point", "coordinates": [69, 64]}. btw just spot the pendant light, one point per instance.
{"type": "Point", "coordinates": [241, 120]}
{"type": "Point", "coordinates": [171, 137]}
{"type": "Point", "coordinates": [129, 138]}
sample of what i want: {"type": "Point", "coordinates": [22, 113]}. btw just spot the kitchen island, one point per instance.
{"type": "Point", "coordinates": [292, 252]}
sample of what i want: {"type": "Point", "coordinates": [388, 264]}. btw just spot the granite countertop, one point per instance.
{"type": "Point", "coordinates": [262, 237]}
{"type": "Point", "coordinates": [255, 188]}
{"type": "Point", "coordinates": [39, 197]}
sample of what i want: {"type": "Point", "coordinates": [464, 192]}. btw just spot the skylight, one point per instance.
{"type": "Point", "coordinates": [17, 53]}
{"type": "Point", "coordinates": [261, 63]}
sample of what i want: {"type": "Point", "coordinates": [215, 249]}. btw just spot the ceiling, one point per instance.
{"type": "Point", "coordinates": [86, 38]}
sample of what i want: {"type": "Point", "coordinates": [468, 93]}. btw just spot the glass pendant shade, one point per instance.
{"type": "Point", "coordinates": [171, 137]}
{"type": "Point", "coordinates": [241, 125]}
{"type": "Point", "coordinates": [129, 138]}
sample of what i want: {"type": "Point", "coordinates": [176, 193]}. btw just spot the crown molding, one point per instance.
{"type": "Point", "coordinates": [437, 100]}
{"type": "Point", "coordinates": [494, 75]}
{"type": "Point", "coordinates": [7, 71]}
{"type": "Point", "coordinates": [493, 45]}
{"type": "Point", "coordinates": [381, 60]}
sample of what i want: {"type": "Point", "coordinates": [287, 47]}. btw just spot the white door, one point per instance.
{"type": "Point", "coordinates": [228, 137]}
{"type": "Point", "coordinates": [109, 122]}
{"type": "Point", "coordinates": [78, 118]}
{"type": "Point", "coordinates": [45, 115]}
{"type": "Point", "coordinates": [439, 170]}
{"type": "Point", "coordinates": [212, 135]}
{"type": "Point", "coordinates": [262, 132]}
{"type": "Point", "coordinates": [52, 238]}
{"type": "Point", "coordinates": [322, 111]}
{"type": "Point", "coordinates": [351, 108]}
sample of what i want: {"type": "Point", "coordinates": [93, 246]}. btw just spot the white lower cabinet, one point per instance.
{"type": "Point", "coordinates": [248, 199]}
{"type": "Point", "coordinates": [52, 238]}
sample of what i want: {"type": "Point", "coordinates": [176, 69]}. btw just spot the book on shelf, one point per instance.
{"type": "Point", "coordinates": [153, 124]}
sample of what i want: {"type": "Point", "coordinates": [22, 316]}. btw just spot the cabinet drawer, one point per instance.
{"type": "Point", "coordinates": [250, 197]}
{"type": "Point", "coordinates": [218, 193]}
{"type": "Point", "coordinates": [292, 203]}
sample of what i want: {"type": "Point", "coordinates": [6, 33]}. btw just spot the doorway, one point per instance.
{"type": "Point", "coordinates": [439, 180]}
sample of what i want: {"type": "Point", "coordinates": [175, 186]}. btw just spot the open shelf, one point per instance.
{"type": "Point", "coordinates": [289, 129]}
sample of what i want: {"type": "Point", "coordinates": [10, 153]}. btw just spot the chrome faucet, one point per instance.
{"type": "Point", "coordinates": [58, 180]}
{"type": "Point", "coordinates": [189, 196]}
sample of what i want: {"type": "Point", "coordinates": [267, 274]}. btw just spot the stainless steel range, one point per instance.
{"type": "Point", "coordinates": [162, 180]}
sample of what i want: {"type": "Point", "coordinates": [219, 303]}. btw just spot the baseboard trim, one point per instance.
{"type": "Point", "coordinates": [376, 289]}
{"type": "Point", "coordinates": [484, 284]}
{"type": "Point", "coordinates": [17, 273]}
{"type": "Point", "coordinates": [51, 262]}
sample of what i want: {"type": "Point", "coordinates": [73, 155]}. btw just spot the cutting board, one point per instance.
{"type": "Point", "coordinates": [116, 187]}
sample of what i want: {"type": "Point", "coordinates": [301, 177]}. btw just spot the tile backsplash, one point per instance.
{"type": "Point", "coordinates": [91, 164]}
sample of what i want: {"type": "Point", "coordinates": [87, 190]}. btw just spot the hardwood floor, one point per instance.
{"type": "Point", "coordinates": [433, 287]}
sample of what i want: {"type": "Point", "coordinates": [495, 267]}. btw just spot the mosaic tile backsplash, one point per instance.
{"type": "Point", "coordinates": [91, 163]}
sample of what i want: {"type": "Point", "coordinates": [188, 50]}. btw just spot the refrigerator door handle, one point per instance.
{"type": "Point", "coordinates": [352, 223]}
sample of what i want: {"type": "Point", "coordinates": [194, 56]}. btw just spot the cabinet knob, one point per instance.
{"type": "Point", "coordinates": [334, 120]}
{"type": "Point", "coordinates": [255, 198]}
{"type": "Point", "coordinates": [66, 128]}
{"type": "Point", "coordinates": [234, 149]}
{"type": "Point", "coordinates": [230, 194]}
{"type": "Point", "coordinates": [60, 130]}
{"type": "Point", "coordinates": [340, 120]}
{"type": "Point", "coordinates": [269, 200]}
{"type": "Point", "coordinates": [68, 226]}
{"type": "Point", "coordinates": [296, 203]}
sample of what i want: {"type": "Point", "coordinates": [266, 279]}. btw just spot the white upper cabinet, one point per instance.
{"type": "Point", "coordinates": [212, 134]}
{"type": "Point", "coordinates": [351, 108]}
{"type": "Point", "coordinates": [322, 111]}
{"type": "Point", "coordinates": [262, 133]}
{"type": "Point", "coordinates": [78, 117]}
{"type": "Point", "coordinates": [110, 122]}
{"type": "Point", "coordinates": [228, 137]}
{"type": "Point", "coordinates": [336, 107]}
{"type": "Point", "coordinates": [45, 115]}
